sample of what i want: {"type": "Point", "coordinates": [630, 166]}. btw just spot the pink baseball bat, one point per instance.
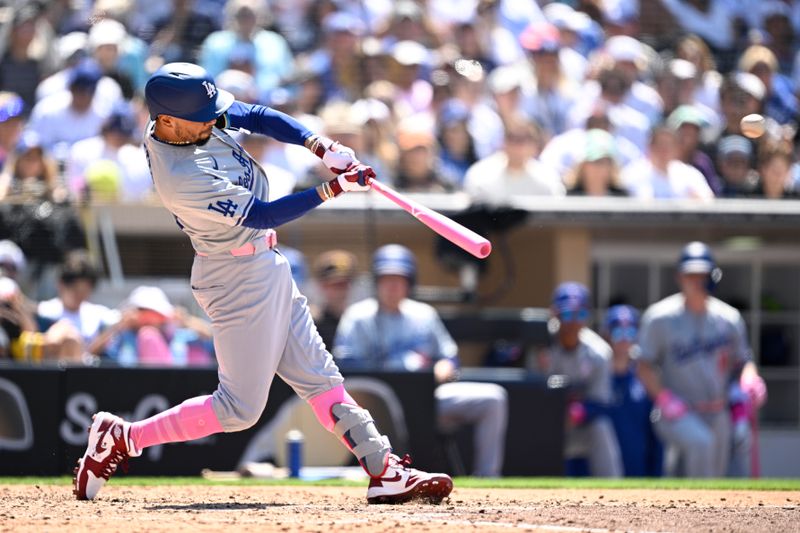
{"type": "Point", "coordinates": [447, 228]}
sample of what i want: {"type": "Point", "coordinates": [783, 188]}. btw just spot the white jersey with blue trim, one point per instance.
{"type": "Point", "coordinates": [698, 354]}
{"type": "Point", "coordinates": [209, 189]}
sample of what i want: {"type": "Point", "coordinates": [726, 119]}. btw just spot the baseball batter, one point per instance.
{"type": "Point", "coordinates": [584, 358]}
{"type": "Point", "coordinates": [693, 346]}
{"type": "Point", "coordinates": [219, 196]}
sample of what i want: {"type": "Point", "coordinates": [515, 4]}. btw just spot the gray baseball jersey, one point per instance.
{"type": "Point", "coordinates": [261, 322]}
{"type": "Point", "coordinates": [209, 189]}
{"type": "Point", "coordinates": [697, 354]}
{"type": "Point", "coordinates": [588, 366]}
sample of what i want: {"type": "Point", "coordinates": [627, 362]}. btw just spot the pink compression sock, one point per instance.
{"type": "Point", "coordinates": [322, 403]}
{"type": "Point", "coordinates": [193, 419]}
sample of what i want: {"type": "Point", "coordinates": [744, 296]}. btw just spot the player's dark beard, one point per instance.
{"type": "Point", "coordinates": [203, 138]}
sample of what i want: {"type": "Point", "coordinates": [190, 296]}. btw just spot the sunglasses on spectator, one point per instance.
{"type": "Point", "coordinates": [623, 333]}
{"type": "Point", "coordinates": [581, 315]}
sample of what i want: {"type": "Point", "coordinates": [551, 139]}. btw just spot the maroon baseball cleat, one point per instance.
{"type": "Point", "coordinates": [109, 445]}
{"type": "Point", "coordinates": [400, 484]}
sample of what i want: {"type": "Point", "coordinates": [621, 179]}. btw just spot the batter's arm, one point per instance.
{"type": "Point", "coordinates": [266, 121]}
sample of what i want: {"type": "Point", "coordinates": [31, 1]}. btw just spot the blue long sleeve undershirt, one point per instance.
{"type": "Point", "coordinates": [266, 121]}
{"type": "Point", "coordinates": [264, 215]}
{"type": "Point", "coordinates": [282, 127]}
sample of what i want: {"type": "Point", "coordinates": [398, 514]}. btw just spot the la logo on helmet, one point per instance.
{"type": "Point", "coordinates": [210, 89]}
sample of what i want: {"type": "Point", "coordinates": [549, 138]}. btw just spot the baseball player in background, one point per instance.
{"type": "Point", "coordinates": [219, 196]}
{"type": "Point", "coordinates": [395, 332]}
{"type": "Point", "coordinates": [693, 346]}
{"type": "Point", "coordinates": [630, 407]}
{"type": "Point", "coordinates": [584, 358]}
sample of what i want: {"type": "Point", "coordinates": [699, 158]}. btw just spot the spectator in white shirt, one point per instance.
{"type": "Point", "coordinates": [113, 156]}
{"type": "Point", "coordinates": [662, 175]}
{"type": "Point", "coordinates": [514, 170]}
{"type": "Point", "coordinates": [70, 320]}
{"type": "Point", "coordinates": [66, 117]}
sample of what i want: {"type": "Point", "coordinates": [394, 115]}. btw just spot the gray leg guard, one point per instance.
{"type": "Point", "coordinates": [356, 428]}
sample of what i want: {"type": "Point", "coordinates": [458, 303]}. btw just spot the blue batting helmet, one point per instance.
{"type": "Point", "coordinates": [186, 91]}
{"type": "Point", "coordinates": [394, 259]}
{"type": "Point", "coordinates": [696, 258]}
{"type": "Point", "coordinates": [571, 302]}
{"type": "Point", "coordinates": [622, 323]}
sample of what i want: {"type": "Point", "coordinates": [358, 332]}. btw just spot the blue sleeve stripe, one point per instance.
{"type": "Point", "coordinates": [246, 210]}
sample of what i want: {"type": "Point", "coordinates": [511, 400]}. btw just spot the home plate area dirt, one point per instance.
{"type": "Point", "coordinates": [328, 509]}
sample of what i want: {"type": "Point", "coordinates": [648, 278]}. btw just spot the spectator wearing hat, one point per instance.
{"type": "Point", "coordinates": [661, 174]}
{"type": "Point", "coordinates": [734, 155]}
{"type": "Point", "coordinates": [598, 173]}
{"type": "Point", "coordinates": [414, 92]}
{"type": "Point", "coordinates": [244, 33]}
{"type": "Point", "coordinates": [180, 34]}
{"type": "Point", "coordinates": [151, 331]}
{"type": "Point", "coordinates": [631, 60]}
{"type": "Point", "coordinates": [377, 131]}
{"type": "Point", "coordinates": [416, 163]}
{"type": "Point", "coordinates": [688, 122]}
{"type": "Point", "coordinates": [66, 117]}
{"type": "Point", "coordinates": [31, 174]}
{"type": "Point", "coordinates": [334, 272]}
{"type": "Point", "coordinates": [337, 61]}
{"type": "Point", "coordinates": [12, 260]}
{"type": "Point", "coordinates": [780, 102]}
{"type": "Point", "coordinates": [513, 171]}
{"type": "Point", "coordinates": [110, 166]}
{"type": "Point", "coordinates": [20, 69]}
{"type": "Point", "coordinates": [73, 49]}
{"type": "Point", "coordinates": [11, 124]}
{"type": "Point", "coordinates": [740, 94]}
{"type": "Point", "coordinates": [457, 148]}
{"type": "Point", "coordinates": [629, 408]}
{"type": "Point", "coordinates": [121, 57]}
{"type": "Point", "coordinates": [564, 152]}
{"type": "Point", "coordinates": [553, 94]}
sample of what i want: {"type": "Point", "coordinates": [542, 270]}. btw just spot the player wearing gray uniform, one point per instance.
{"type": "Point", "coordinates": [693, 346]}
{"type": "Point", "coordinates": [219, 196]}
{"type": "Point", "coordinates": [394, 332]}
{"type": "Point", "coordinates": [584, 358]}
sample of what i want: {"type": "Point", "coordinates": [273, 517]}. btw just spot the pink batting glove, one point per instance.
{"type": "Point", "coordinates": [672, 407]}
{"type": "Point", "coordinates": [576, 413]}
{"type": "Point", "coordinates": [756, 389]}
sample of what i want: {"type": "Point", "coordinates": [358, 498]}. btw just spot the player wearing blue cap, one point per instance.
{"type": "Point", "coordinates": [584, 358]}
{"type": "Point", "coordinates": [629, 410]}
{"type": "Point", "coordinates": [395, 332]}
{"type": "Point", "coordinates": [219, 196]}
{"type": "Point", "coordinates": [693, 347]}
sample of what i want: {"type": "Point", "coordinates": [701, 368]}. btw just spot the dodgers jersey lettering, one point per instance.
{"type": "Point", "coordinates": [697, 354]}
{"type": "Point", "coordinates": [209, 189]}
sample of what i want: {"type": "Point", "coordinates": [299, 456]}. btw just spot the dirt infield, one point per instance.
{"type": "Point", "coordinates": [328, 509]}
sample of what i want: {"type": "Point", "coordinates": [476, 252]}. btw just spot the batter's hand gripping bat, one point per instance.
{"type": "Point", "coordinates": [447, 228]}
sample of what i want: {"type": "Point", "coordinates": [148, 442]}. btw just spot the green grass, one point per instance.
{"type": "Point", "coordinates": [464, 482]}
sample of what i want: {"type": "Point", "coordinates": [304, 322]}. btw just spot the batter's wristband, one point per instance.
{"type": "Point", "coordinates": [336, 187]}
{"type": "Point", "coordinates": [314, 144]}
